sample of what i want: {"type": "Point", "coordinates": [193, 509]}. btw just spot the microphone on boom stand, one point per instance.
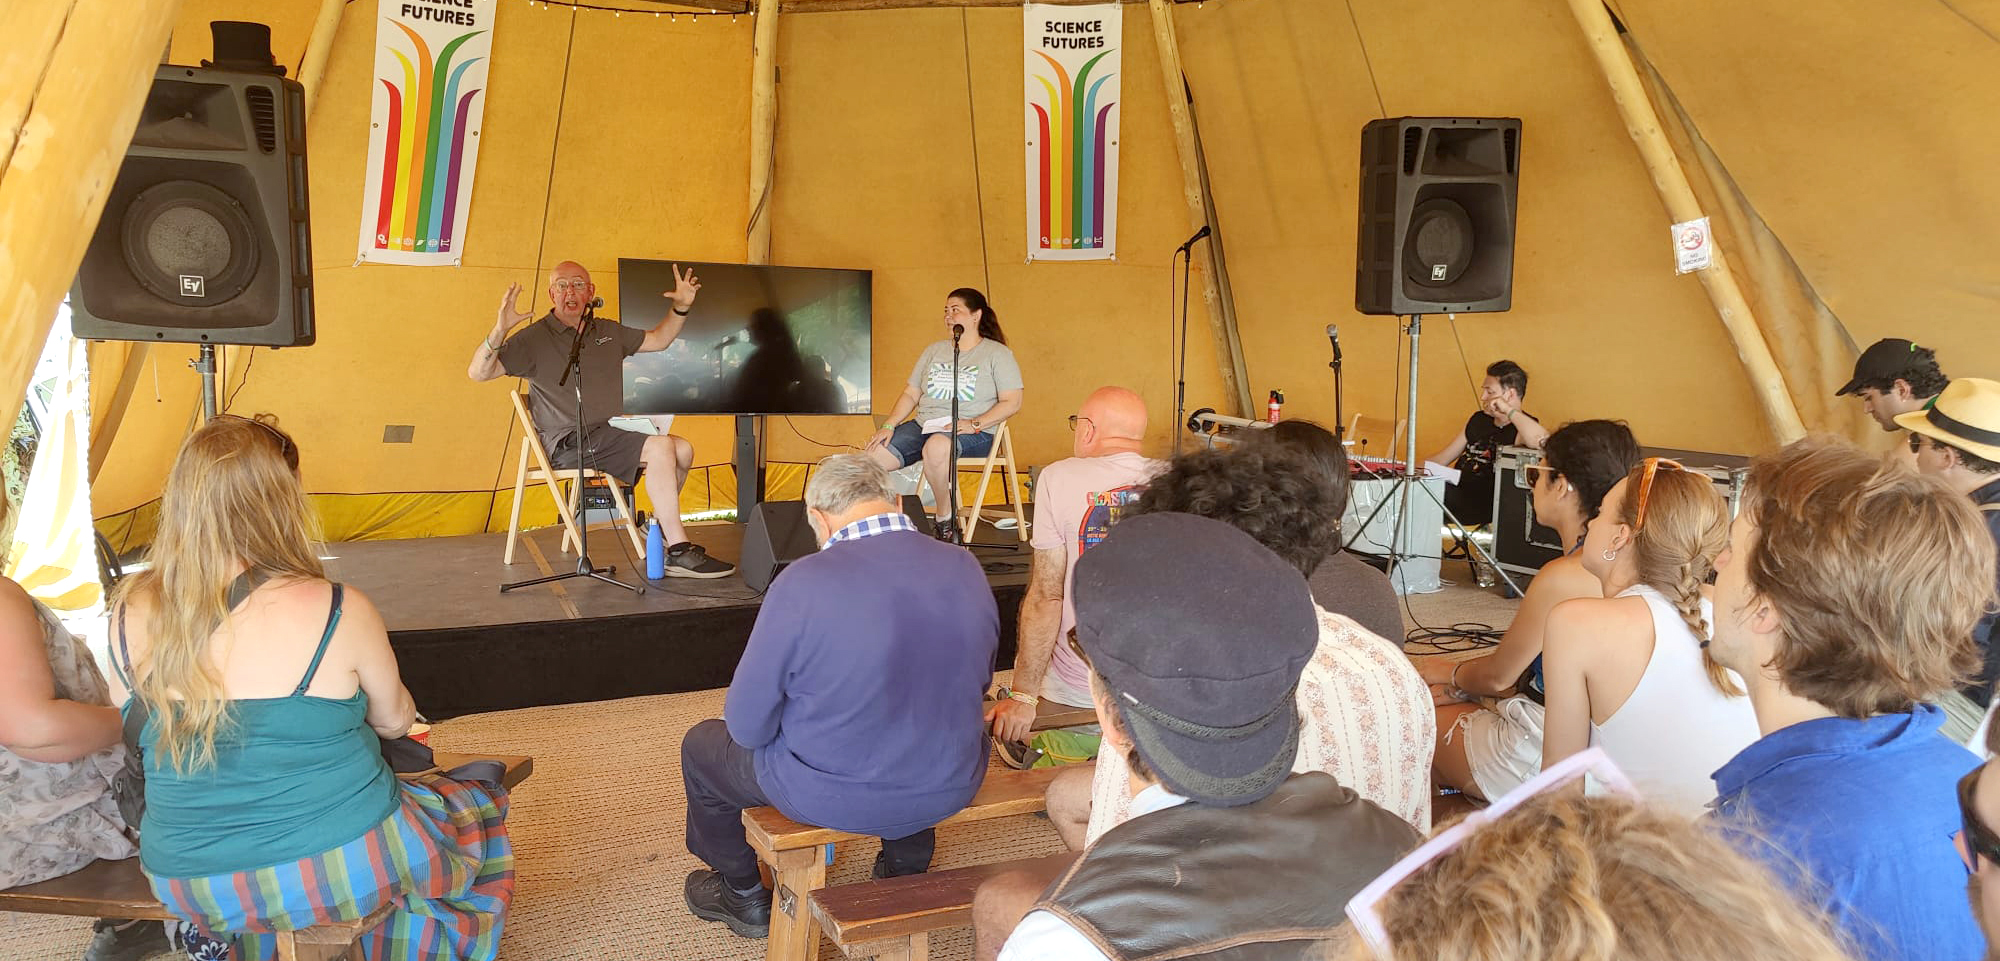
{"type": "Point", "coordinates": [576, 343]}
{"type": "Point", "coordinates": [1339, 385]}
{"type": "Point", "coordinates": [957, 332]}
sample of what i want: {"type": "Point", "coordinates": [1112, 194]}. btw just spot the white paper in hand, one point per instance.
{"type": "Point", "coordinates": [937, 425]}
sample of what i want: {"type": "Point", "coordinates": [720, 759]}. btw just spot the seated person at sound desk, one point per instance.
{"type": "Point", "coordinates": [539, 354]}
{"type": "Point", "coordinates": [1076, 501]}
{"type": "Point", "coordinates": [1499, 422]}
{"type": "Point", "coordinates": [857, 703]}
{"type": "Point", "coordinates": [59, 750]}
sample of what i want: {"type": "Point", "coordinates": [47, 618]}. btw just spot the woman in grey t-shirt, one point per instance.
{"type": "Point", "coordinates": [988, 382]}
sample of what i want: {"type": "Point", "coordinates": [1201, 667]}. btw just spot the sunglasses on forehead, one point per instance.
{"type": "Point", "coordinates": [1652, 467]}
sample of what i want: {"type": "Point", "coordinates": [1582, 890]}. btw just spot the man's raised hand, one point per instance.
{"type": "Point", "coordinates": [510, 316]}
{"type": "Point", "coordinates": [685, 287]}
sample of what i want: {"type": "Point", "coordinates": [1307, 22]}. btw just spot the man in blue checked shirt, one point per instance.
{"type": "Point", "coordinates": [857, 704]}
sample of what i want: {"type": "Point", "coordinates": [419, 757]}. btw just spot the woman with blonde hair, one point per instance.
{"type": "Point", "coordinates": [1610, 878]}
{"type": "Point", "coordinates": [267, 690]}
{"type": "Point", "coordinates": [1630, 671]}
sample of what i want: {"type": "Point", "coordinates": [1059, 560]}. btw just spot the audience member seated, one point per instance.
{"type": "Point", "coordinates": [1597, 879]}
{"type": "Point", "coordinates": [1342, 583]}
{"type": "Point", "coordinates": [59, 750]}
{"type": "Point", "coordinates": [1630, 671]}
{"type": "Point", "coordinates": [1488, 753]}
{"type": "Point", "coordinates": [1364, 713]}
{"type": "Point", "coordinates": [857, 702]}
{"type": "Point", "coordinates": [1076, 501]}
{"type": "Point", "coordinates": [269, 806]}
{"type": "Point", "coordinates": [1979, 843]}
{"type": "Point", "coordinates": [1847, 595]}
{"type": "Point", "coordinates": [1499, 422]}
{"type": "Point", "coordinates": [989, 392]}
{"type": "Point", "coordinates": [1894, 377]}
{"type": "Point", "coordinates": [1957, 438]}
{"type": "Point", "coordinates": [1197, 637]}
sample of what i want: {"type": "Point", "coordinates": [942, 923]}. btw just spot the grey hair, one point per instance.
{"type": "Point", "coordinates": [845, 480]}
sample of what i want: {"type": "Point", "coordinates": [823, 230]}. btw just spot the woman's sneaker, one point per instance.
{"type": "Point", "coordinates": [946, 530]}
{"type": "Point", "coordinates": [687, 559]}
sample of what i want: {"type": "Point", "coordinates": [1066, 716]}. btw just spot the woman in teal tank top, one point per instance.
{"type": "Point", "coordinates": [267, 691]}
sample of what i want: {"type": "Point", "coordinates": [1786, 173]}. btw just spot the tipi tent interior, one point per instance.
{"type": "Point", "coordinates": [1835, 148]}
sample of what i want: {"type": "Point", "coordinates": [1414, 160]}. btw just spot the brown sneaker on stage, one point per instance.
{"type": "Point", "coordinates": [687, 559]}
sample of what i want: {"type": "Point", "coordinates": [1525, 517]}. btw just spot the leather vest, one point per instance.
{"type": "Point", "coordinates": [1267, 881]}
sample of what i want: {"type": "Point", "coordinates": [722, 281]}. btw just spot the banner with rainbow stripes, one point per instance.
{"type": "Point", "coordinates": [1073, 67]}
{"type": "Point", "coordinates": [423, 138]}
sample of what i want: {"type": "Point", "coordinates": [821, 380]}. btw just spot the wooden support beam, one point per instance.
{"type": "Point", "coordinates": [1671, 181]}
{"type": "Point", "coordinates": [312, 65]}
{"type": "Point", "coordinates": [71, 85]}
{"type": "Point", "coordinates": [1228, 348]}
{"type": "Point", "coordinates": [763, 130]}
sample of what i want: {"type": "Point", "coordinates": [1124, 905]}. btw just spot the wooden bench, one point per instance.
{"type": "Point", "coordinates": [892, 919]}
{"type": "Point", "coordinates": [118, 889]}
{"type": "Point", "coordinates": [1050, 715]}
{"type": "Point", "coordinates": [799, 853]}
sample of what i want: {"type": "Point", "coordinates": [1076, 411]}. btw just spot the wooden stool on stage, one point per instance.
{"type": "Point", "coordinates": [1001, 456]}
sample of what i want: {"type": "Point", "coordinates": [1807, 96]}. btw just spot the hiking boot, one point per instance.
{"type": "Point", "coordinates": [710, 899]}
{"type": "Point", "coordinates": [687, 559]}
{"type": "Point", "coordinates": [115, 940]}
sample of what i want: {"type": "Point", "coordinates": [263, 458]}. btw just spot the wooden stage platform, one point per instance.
{"type": "Point", "coordinates": [465, 648]}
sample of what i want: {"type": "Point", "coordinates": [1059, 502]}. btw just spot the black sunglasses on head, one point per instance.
{"type": "Point", "coordinates": [1979, 839]}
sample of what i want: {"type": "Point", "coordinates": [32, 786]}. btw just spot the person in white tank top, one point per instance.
{"type": "Point", "coordinates": [1630, 672]}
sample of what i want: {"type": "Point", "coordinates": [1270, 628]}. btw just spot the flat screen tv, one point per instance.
{"type": "Point", "coordinates": [760, 340]}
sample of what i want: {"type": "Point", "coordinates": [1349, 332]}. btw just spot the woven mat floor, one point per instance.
{"type": "Point", "coordinates": [599, 831]}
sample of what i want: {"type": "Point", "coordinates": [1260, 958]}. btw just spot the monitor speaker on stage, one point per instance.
{"type": "Point", "coordinates": [205, 237]}
{"type": "Point", "coordinates": [1437, 215]}
{"type": "Point", "coordinates": [776, 536]}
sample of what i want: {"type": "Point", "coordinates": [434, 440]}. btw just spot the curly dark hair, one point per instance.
{"type": "Point", "coordinates": [1273, 493]}
{"type": "Point", "coordinates": [1594, 455]}
{"type": "Point", "coordinates": [1923, 375]}
{"type": "Point", "coordinates": [1509, 374]}
{"type": "Point", "coordinates": [1319, 444]}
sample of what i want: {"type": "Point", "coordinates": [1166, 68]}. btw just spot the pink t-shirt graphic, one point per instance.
{"type": "Point", "coordinates": [1076, 502]}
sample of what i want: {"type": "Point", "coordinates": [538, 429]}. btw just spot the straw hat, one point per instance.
{"type": "Point", "coordinates": [1966, 416]}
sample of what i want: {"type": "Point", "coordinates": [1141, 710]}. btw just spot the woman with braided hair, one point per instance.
{"type": "Point", "coordinates": [1630, 672]}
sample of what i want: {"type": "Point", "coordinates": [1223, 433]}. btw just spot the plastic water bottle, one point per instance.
{"type": "Point", "coordinates": [656, 551]}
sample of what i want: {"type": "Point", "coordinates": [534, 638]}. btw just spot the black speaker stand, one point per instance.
{"type": "Point", "coordinates": [204, 364]}
{"type": "Point", "coordinates": [584, 567]}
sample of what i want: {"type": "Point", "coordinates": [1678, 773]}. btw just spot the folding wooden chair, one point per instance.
{"type": "Point", "coordinates": [566, 503]}
{"type": "Point", "coordinates": [1001, 456]}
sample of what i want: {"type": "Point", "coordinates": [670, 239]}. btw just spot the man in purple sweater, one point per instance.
{"type": "Point", "coordinates": [856, 705]}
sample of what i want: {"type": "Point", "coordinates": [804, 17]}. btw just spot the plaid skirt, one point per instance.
{"type": "Point", "coordinates": [443, 857]}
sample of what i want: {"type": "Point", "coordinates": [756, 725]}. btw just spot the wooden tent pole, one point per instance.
{"type": "Point", "coordinates": [1228, 346]}
{"type": "Point", "coordinates": [1678, 197]}
{"type": "Point", "coordinates": [319, 47]}
{"type": "Point", "coordinates": [763, 129]}
{"type": "Point", "coordinates": [71, 85]}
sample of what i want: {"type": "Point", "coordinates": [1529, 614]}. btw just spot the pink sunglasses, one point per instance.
{"type": "Point", "coordinates": [1365, 908]}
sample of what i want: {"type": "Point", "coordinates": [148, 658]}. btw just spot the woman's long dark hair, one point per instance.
{"type": "Point", "coordinates": [989, 322]}
{"type": "Point", "coordinates": [1594, 455]}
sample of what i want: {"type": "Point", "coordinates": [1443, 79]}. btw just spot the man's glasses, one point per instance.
{"type": "Point", "coordinates": [1073, 418]}
{"type": "Point", "coordinates": [566, 285]}
{"type": "Point", "coordinates": [1975, 839]}
{"type": "Point", "coordinates": [1365, 908]}
{"type": "Point", "coordinates": [1916, 442]}
{"type": "Point", "coordinates": [1653, 465]}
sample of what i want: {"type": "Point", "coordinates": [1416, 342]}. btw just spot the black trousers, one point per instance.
{"type": "Point", "coordinates": [720, 777]}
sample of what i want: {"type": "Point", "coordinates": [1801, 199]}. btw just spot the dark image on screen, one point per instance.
{"type": "Point", "coordinates": [760, 340]}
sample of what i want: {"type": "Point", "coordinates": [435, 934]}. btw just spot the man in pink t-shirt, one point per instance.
{"type": "Point", "coordinates": [1076, 501]}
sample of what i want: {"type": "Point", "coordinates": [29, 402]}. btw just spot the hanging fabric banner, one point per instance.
{"type": "Point", "coordinates": [1073, 63]}
{"type": "Point", "coordinates": [423, 138]}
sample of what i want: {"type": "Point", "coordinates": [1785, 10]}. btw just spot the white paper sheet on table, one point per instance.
{"type": "Point", "coordinates": [1435, 469]}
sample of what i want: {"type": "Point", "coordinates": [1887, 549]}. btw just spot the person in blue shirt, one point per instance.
{"type": "Point", "coordinates": [1845, 599]}
{"type": "Point", "coordinates": [858, 702]}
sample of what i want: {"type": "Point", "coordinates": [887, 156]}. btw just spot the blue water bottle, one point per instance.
{"type": "Point", "coordinates": [656, 551]}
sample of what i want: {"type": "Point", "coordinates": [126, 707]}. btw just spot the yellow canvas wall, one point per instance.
{"type": "Point", "coordinates": [642, 149]}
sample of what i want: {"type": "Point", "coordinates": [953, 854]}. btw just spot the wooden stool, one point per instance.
{"type": "Point", "coordinates": [1001, 456]}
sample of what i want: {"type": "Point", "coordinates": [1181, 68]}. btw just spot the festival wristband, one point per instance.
{"type": "Point", "coordinates": [682, 313]}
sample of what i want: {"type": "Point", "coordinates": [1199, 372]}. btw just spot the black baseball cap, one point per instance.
{"type": "Point", "coordinates": [1885, 359]}
{"type": "Point", "coordinates": [1200, 634]}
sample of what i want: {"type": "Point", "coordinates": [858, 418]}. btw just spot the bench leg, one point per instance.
{"type": "Point", "coordinates": [794, 936]}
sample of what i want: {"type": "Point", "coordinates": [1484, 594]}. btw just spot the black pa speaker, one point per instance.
{"type": "Point", "coordinates": [206, 238]}
{"type": "Point", "coordinates": [1437, 215]}
{"type": "Point", "coordinates": [776, 536]}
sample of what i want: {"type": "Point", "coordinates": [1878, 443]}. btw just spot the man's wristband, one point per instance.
{"type": "Point", "coordinates": [682, 313]}
{"type": "Point", "coordinates": [489, 346]}
{"type": "Point", "coordinates": [1022, 696]}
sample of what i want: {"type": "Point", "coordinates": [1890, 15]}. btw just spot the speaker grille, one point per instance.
{"type": "Point", "coordinates": [264, 117]}
{"type": "Point", "coordinates": [1413, 142]}
{"type": "Point", "coordinates": [187, 240]}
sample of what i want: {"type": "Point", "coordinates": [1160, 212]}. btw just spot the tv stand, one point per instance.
{"type": "Point", "coordinates": [749, 467]}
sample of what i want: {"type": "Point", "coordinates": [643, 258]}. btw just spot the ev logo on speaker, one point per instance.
{"type": "Point", "coordinates": [191, 285]}
{"type": "Point", "coordinates": [1437, 272]}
